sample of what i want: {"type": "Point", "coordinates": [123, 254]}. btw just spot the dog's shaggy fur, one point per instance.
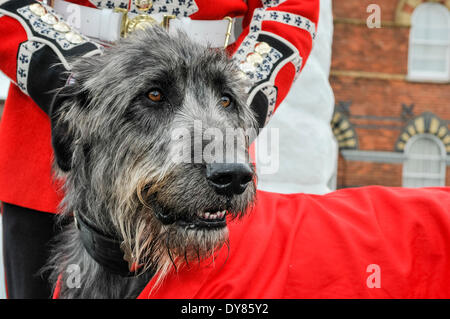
{"type": "Point", "coordinates": [113, 147]}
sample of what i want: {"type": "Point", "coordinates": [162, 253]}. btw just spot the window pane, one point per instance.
{"type": "Point", "coordinates": [427, 65]}
{"type": "Point", "coordinates": [429, 58]}
{"type": "Point", "coordinates": [430, 52]}
{"type": "Point", "coordinates": [430, 33]}
{"type": "Point", "coordinates": [430, 15]}
{"type": "Point", "coordinates": [430, 183]}
{"type": "Point", "coordinates": [430, 41]}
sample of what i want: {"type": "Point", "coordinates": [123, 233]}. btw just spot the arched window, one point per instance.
{"type": "Point", "coordinates": [429, 43]}
{"type": "Point", "coordinates": [425, 164]}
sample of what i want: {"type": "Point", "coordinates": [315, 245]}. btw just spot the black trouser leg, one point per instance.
{"type": "Point", "coordinates": [26, 237]}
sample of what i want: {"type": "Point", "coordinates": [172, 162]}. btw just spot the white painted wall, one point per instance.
{"type": "Point", "coordinates": [4, 84]}
{"type": "Point", "coordinates": [308, 151]}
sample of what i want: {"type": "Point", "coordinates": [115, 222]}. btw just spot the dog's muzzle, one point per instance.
{"type": "Point", "coordinates": [227, 179]}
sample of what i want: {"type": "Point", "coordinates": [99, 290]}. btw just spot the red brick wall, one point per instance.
{"type": "Point", "coordinates": [353, 174]}
{"type": "Point", "coordinates": [358, 48]}
{"type": "Point", "coordinates": [447, 179]}
{"type": "Point", "coordinates": [356, 9]}
{"type": "Point", "coordinates": [384, 98]}
{"type": "Point", "coordinates": [376, 139]}
{"type": "Point", "coordinates": [378, 101]}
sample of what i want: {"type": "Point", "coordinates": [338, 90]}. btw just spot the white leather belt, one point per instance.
{"type": "Point", "coordinates": [105, 25]}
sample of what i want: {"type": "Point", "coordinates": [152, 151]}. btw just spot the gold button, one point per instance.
{"type": "Point", "coordinates": [74, 38]}
{"type": "Point", "coordinates": [247, 67]}
{"type": "Point", "coordinates": [262, 48]}
{"type": "Point", "coordinates": [37, 9]}
{"type": "Point", "coordinates": [254, 58]}
{"type": "Point", "coordinates": [143, 5]}
{"type": "Point", "coordinates": [61, 27]}
{"type": "Point", "coordinates": [49, 19]}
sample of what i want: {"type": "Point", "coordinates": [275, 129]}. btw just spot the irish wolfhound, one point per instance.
{"type": "Point", "coordinates": [125, 196]}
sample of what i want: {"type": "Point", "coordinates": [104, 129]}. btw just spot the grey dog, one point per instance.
{"type": "Point", "coordinates": [114, 147]}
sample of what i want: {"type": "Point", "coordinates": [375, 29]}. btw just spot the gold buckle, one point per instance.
{"type": "Point", "coordinates": [166, 21]}
{"type": "Point", "coordinates": [140, 22]}
{"type": "Point", "coordinates": [125, 20]}
{"type": "Point", "coordinates": [228, 34]}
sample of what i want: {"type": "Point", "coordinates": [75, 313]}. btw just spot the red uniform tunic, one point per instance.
{"type": "Point", "coordinates": [25, 141]}
{"type": "Point", "coordinates": [369, 242]}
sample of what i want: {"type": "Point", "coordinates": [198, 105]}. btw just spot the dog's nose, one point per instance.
{"type": "Point", "coordinates": [229, 178]}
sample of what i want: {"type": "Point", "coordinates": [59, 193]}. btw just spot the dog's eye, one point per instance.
{"type": "Point", "coordinates": [226, 101]}
{"type": "Point", "coordinates": [155, 95]}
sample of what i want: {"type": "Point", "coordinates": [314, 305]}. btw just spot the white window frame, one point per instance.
{"type": "Point", "coordinates": [440, 178]}
{"type": "Point", "coordinates": [431, 76]}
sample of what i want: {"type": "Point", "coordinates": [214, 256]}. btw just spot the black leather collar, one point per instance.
{"type": "Point", "coordinates": [105, 250]}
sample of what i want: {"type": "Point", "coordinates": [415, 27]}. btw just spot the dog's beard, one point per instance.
{"type": "Point", "coordinates": [161, 246]}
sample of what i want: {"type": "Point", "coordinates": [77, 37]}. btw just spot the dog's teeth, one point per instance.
{"type": "Point", "coordinates": [212, 216]}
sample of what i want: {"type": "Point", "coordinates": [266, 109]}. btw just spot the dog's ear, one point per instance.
{"type": "Point", "coordinates": [63, 132]}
